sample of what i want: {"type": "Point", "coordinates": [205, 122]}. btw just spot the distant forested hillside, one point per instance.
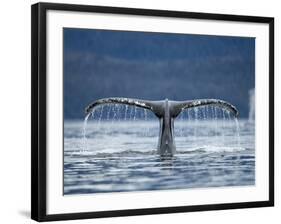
{"type": "Point", "coordinates": [100, 64]}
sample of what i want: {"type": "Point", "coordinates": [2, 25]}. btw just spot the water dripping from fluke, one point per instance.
{"type": "Point", "coordinates": [84, 147]}
{"type": "Point", "coordinates": [166, 111]}
{"type": "Point", "coordinates": [237, 132]}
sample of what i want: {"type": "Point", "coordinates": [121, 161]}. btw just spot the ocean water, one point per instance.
{"type": "Point", "coordinates": [120, 155]}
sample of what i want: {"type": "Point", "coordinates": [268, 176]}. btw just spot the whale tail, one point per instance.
{"type": "Point", "coordinates": [166, 111]}
{"type": "Point", "coordinates": [176, 107]}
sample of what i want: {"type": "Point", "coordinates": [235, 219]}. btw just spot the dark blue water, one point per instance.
{"type": "Point", "coordinates": [121, 156]}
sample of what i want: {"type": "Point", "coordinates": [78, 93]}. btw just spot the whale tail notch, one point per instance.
{"type": "Point", "coordinates": [166, 111]}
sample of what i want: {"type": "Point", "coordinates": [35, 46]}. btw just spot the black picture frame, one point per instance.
{"type": "Point", "coordinates": [39, 115]}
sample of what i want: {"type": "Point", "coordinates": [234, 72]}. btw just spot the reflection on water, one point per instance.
{"type": "Point", "coordinates": [121, 156]}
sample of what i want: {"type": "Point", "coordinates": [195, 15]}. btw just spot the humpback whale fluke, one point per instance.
{"type": "Point", "coordinates": [166, 110]}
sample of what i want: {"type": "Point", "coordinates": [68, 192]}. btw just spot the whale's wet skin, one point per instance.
{"type": "Point", "coordinates": [121, 155]}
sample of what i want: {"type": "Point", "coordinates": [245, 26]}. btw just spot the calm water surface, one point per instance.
{"type": "Point", "coordinates": [121, 156]}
